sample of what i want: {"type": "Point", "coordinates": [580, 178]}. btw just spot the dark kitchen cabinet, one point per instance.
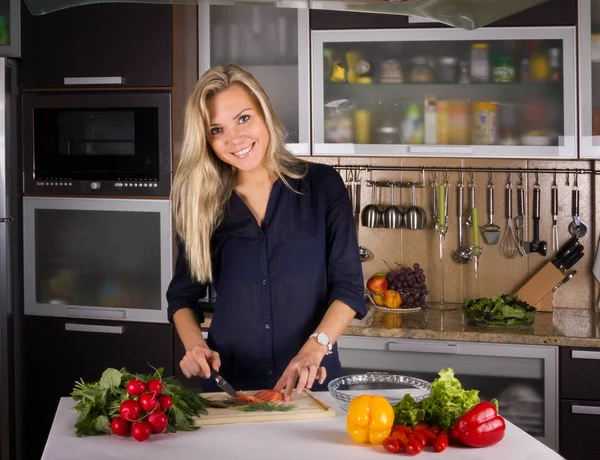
{"type": "Point", "coordinates": [550, 13]}
{"type": "Point", "coordinates": [112, 44]}
{"type": "Point", "coordinates": [579, 403]}
{"type": "Point", "coordinates": [59, 351]}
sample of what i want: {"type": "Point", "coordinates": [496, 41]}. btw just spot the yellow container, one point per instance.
{"type": "Point", "coordinates": [485, 125]}
{"type": "Point", "coordinates": [362, 126]}
{"type": "Point", "coordinates": [443, 122]}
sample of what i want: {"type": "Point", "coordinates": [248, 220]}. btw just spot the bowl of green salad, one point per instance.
{"type": "Point", "coordinates": [500, 311]}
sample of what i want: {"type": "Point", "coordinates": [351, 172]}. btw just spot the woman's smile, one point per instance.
{"type": "Point", "coordinates": [245, 152]}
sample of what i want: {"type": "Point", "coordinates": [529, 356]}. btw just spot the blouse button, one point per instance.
{"type": "Point", "coordinates": [264, 282]}
{"type": "Point", "coordinates": [267, 326]}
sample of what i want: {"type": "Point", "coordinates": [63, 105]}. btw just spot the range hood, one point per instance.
{"type": "Point", "coordinates": [464, 14]}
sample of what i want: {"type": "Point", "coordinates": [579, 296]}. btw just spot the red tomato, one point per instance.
{"type": "Point", "coordinates": [135, 387]}
{"type": "Point", "coordinates": [435, 429]}
{"type": "Point", "coordinates": [141, 431]}
{"type": "Point", "coordinates": [155, 386]}
{"type": "Point", "coordinates": [441, 442]}
{"type": "Point", "coordinates": [412, 447]}
{"type": "Point", "coordinates": [158, 422]}
{"type": "Point", "coordinates": [400, 436]}
{"type": "Point", "coordinates": [165, 401]}
{"type": "Point", "coordinates": [429, 436]}
{"type": "Point", "coordinates": [148, 401]}
{"type": "Point", "coordinates": [417, 436]}
{"type": "Point", "coordinates": [401, 428]}
{"type": "Point", "coordinates": [420, 426]}
{"type": "Point", "coordinates": [391, 445]}
{"type": "Point", "coordinates": [119, 426]}
{"type": "Point", "coordinates": [130, 410]}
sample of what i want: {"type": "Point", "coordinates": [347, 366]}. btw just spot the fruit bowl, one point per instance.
{"type": "Point", "coordinates": [391, 386]}
{"type": "Point", "coordinates": [417, 299]}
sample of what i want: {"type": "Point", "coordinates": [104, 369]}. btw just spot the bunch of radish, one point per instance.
{"type": "Point", "coordinates": [143, 413]}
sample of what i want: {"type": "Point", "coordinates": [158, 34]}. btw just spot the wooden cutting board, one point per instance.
{"type": "Point", "coordinates": [306, 406]}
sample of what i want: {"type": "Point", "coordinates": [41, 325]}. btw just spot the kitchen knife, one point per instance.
{"type": "Point", "coordinates": [565, 280]}
{"type": "Point", "coordinates": [564, 263]}
{"type": "Point", "coordinates": [222, 383]}
{"type": "Point", "coordinates": [567, 249]}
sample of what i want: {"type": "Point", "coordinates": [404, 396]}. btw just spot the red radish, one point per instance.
{"type": "Point", "coordinates": [158, 422]}
{"type": "Point", "coordinates": [158, 409]}
{"type": "Point", "coordinates": [130, 410]}
{"type": "Point", "coordinates": [136, 387]}
{"type": "Point", "coordinates": [165, 401]}
{"type": "Point", "coordinates": [148, 402]}
{"type": "Point", "coordinates": [119, 426]}
{"type": "Point", "coordinates": [141, 431]}
{"type": "Point", "coordinates": [155, 386]}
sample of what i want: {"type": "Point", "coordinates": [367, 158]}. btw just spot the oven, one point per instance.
{"type": "Point", "coordinates": [102, 258]}
{"type": "Point", "coordinates": [97, 143]}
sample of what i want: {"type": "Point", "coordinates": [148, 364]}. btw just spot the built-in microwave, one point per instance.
{"type": "Point", "coordinates": [97, 143]}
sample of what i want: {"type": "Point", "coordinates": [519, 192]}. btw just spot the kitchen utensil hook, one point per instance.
{"type": "Point", "coordinates": [446, 176]}
{"type": "Point", "coordinates": [490, 182]}
{"type": "Point", "coordinates": [568, 180]}
{"type": "Point", "coordinates": [576, 181]}
{"type": "Point", "coordinates": [537, 180]}
{"type": "Point", "coordinates": [520, 184]}
{"type": "Point", "coordinates": [554, 181]}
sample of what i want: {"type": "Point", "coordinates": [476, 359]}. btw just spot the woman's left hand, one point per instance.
{"type": "Point", "coordinates": [305, 367]}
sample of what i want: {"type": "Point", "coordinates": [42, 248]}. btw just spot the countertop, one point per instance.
{"type": "Point", "coordinates": [305, 439]}
{"type": "Point", "coordinates": [562, 327]}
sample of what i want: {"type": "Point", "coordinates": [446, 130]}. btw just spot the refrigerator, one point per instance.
{"type": "Point", "coordinates": [11, 236]}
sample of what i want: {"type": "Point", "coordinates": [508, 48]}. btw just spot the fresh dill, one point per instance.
{"type": "Point", "coordinates": [267, 407]}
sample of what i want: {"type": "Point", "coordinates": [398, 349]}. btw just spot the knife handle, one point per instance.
{"type": "Point", "coordinates": [536, 203]}
{"type": "Point", "coordinates": [567, 247]}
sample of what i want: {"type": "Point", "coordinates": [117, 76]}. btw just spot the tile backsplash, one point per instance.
{"type": "Point", "coordinates": [497, 274]}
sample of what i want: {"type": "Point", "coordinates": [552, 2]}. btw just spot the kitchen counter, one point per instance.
{"type": "Point", "coordinates": [291, 440]}
{"type": "Point", "coordinates": [570, 327]}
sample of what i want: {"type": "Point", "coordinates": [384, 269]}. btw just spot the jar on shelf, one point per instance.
{"type": "Point", "coordinates": [485, 130]}
{"type": "Point", "coordinates": [480, 65]}
{"type": "Point", "coordinates": [504, 69]}
{"type": "Point", "coordinates": [539, 64]}
{"type": "Point", "coordinates": [458, 118]}
{"type": "Point", "coordinates": [421, 71]}
{"type": "Point", "coordinates": [555, 64]}
{"type": "Point", "coordinates": [412, 126]}
{"type": "Point", "coordinates": [447, 70]}
{"type": "Point", "coordinates": [362, 126]}
{"type": "Point", "coordinates": [387, 133]}
{"type": "Point", "coordinates": [339, 123]}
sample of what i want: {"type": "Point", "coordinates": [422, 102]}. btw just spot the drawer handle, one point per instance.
{"type": "Point", "coordinates": [93, 80]}
{"type": "Point", "coordinates": [75, 327]}
{"type": "Point", "coordinates": [423, 348]}
{"type": "Point", "coordinates": [585, 410]}
{"type": "Point", "coordinates": [582, 354]}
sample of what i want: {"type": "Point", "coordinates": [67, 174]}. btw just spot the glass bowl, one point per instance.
{"type": "Point", "coordinates": [418, 303]}
{"type": "Point", "coordinates": [391, 386]}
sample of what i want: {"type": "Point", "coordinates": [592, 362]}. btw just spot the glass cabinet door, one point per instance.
{"type": "Point", "coordinates": [97, 258]}
{"type": "Point", "coordinates": [589, 78]}
{"type": "Point", "coordinates": [272, 44]}
{"type": "Point", "coordinates": [486, 93]}
{"type": "Point", "coordinates": [10, 30]}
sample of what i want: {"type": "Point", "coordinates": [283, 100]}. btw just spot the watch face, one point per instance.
{"type": "Point", "coordinates": [322, 339]}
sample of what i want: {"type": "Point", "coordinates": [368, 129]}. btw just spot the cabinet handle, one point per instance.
{"type": "Point", "coordinates": [585, 410]}
{"type": "Point", "coordinates": [423, 348]}
{"type": "Point", "coordinates": [76, 327]}
{"type": "Point", "coordinates": [582, 354]}
{"type": "Point", "coordinates": [93, 80]}
{"type": "Point", "coordinates": [432, 149]}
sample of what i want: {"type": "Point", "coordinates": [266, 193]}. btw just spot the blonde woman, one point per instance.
{"type": "Point", "coordinates": [273, 234]}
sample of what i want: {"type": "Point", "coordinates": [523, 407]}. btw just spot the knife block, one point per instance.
{"type": "Point", "coordinates": [540, 285]}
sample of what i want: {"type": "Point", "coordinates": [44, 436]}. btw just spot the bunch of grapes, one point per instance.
{"type": "Point", "coordinates": [410, 283]}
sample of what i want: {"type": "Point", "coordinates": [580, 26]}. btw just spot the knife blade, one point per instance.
{"type": "Point", "coordinates": [222, 383]}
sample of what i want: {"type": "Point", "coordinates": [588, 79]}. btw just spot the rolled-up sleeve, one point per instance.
{"type": "Point", "coordinates": [183, 291]}
{"type": "Point", "coordinates": [344, 271]}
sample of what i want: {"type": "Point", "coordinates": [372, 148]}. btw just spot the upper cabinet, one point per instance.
{"type": "Point", "coordinates": [589, 78]}
{"type": "Point", "coordinates": [272, 44]}
{"type": "Point", "coordinates": [100, 45]}
{"type": "Point", "coordinates": [10, 30]}
{"type": "Point", "coordinates": [492, 92]}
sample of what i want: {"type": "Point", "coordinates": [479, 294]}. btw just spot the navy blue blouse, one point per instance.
{"type": "Point", "coordinates": [274, 283]}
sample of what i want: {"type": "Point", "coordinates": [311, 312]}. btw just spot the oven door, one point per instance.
{"type": "Point", "coordinates": [97, 136]}
{"type": "Point", "coordinates": [97, 258]}
{"type": "Point", "coordinates": [524, 379]}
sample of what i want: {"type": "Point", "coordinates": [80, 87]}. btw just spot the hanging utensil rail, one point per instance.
{"type": "Point", "coordinates": [473, 170]}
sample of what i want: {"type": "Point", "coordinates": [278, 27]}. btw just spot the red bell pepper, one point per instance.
{"type": "Point", "coordinates": [480, 426]}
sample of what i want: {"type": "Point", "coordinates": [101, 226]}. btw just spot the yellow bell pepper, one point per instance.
{"type": "Point", "coordinates": [370, 419]}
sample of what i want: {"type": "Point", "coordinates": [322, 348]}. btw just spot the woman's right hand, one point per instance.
{"type": "Point", "coordinates": [198, 361]}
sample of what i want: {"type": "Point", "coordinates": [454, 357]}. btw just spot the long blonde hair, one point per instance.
{"type": "Point", "coordinates": [203, 183]}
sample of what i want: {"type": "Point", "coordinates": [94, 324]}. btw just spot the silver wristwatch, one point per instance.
{"type": "Point", "coordinates": [323, 339]}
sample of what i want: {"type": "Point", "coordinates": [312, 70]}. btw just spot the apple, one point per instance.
{"type": "Point", "coordinates": [377, 283]}
{"type": "Point", "coordinates": [392, 299]}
